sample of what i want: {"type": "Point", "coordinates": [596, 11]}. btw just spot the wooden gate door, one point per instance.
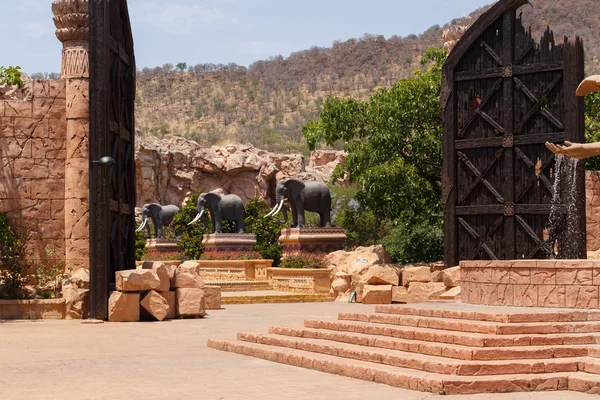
{"type": "Point", "coordinates": [112, 133]}
{"type": "Point", "coordinates": [504, 96]}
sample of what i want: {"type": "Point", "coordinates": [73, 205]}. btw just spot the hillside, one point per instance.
{"type": "Point", "coordinates": [267, 103]}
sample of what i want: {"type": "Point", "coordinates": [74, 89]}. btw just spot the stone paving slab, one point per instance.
{"type": "Point", "coordinates": [170, 360]}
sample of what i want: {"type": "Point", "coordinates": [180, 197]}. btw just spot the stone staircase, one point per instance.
{"type": "Point", "coordinates": [443, 348]}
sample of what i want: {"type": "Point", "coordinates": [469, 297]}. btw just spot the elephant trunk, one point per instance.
{"type": "Point", "coordinates": [285, 215]}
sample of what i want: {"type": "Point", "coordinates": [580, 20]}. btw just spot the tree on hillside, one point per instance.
{"type": "Point", "coordinates": [394, 145]}
{"type": "Point", "coordinates": [181, 66]}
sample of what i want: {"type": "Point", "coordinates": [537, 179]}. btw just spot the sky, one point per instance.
{"type": "Point", "coordinates": [224, 31]}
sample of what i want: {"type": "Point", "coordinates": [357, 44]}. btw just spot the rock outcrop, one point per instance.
{"type": "Point", "coordinates": [169, 171]}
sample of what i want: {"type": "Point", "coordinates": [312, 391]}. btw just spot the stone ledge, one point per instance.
{"type": "Point", "coordinates": [304, 281]}
{"type": "Point", "coordinates": [32, 309]}
{"type": "Point", "coordinates": [532, 283]}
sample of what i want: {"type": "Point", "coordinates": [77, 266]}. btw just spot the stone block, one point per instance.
{"type": "Point", "coordinates": [124, 307]}
{"type": "Point", "coordinates": [452, 294]}
{"type": "Point", "coordinates": [187, 278]}
{"type": "Point", "coordinates": [451, 277]}
{"type": "Point", "coordinates": [191, 265]}
{"type": "Point", "coordinates": [436, 276]}
{"type": "Point", "coordinates": [77, 302]}
{"type": "Point", "coordinates": [360, 288]}
{"type": "Point", "coordinates": [380, 294]}
{"type": "Point", "coordinates": [170, 298]}
{"type": "Point", "coordinates": [190, 302]}
{"type": "Point", "coordinates": [156, 305]}
{"type": "Point", "coordinates": [399, 294]}
{"type": "Point", "coordinates": [419, 292]}
{"type": "Point", "coordinates": [165, 274]}
{"type": "Point", "coordinates": [136, 280]}
{"type": "Point", "coordinates": [415, 274]}
{"type": "Point", "coordinates": [341, 282]}
{"type": "Point", "coordinates": [383, 275]}
{"type": "Point", "coordinates": [212, 295]}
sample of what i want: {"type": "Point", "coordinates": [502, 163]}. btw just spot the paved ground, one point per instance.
{"type": "Point", "coordinates": [170, 360]}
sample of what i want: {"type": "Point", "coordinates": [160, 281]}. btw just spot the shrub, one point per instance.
{"type": "Point", "coordinates": [422, 242]}
{"type": "Point", "coordinates": [13, 265]}
{"type": "Point", "coordinates": [11, 76]}
{"type": "Point", "coordinates": [232, 255]}
{"type": "Point", "coordinates": [164, 256]}
{"type": "Point", "coordinates": [140, 246]}
{"type": "Point", "coordinates": [267, 230]}
{"type": "Point", "coordinates": [304, 261]}
{"type": "Point", "coordinates": [191, 236]}
{"type": "Point", "coordinates": [49, 274]}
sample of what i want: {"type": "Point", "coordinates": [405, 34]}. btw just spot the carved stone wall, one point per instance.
{"type": "Point", "coordinates": [32, 166]}
{"type": "Point", "coordinates": [592, 199]}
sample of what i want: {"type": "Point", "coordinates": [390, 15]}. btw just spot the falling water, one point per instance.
{"type": "Point", "coordinates": [564, 215]}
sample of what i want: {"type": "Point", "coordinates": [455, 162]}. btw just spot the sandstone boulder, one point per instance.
{"type": "Point", "coordinates": [416, 274]}
{"type": "Point", "coordinates": [76, 292]}
{"type": "Point", "coordinates": [124, 307]}
{"type": "Point", "coordinates": [399, 294]}
{"type": "Point", "coordinates": [137, 280]}
{"type": "Point", "coordinates": [170, 299]}
{"type": "Point", "coordinates": [419, 292]}
{"type": "Point", "coordinates": [451, 277]}
{"type": "Point", "coordinates": [156, 305]}
{"type": "Point", "coordinates": [436, 276]}
{"type": "Point", "coordinates": [161, 268]}
{"type": "Point", "coordinates": [212, 295]}
{"type": "Point", "coordinates": [380, 294]}
{"type": "Point", "coordinates": [187, 278]}
{"type": "Point", "coordinates": [383, 275]}
{"type": "Point", "coordinates": [191, 265]}
{"type": "Point", "coordinates": [191, 302]}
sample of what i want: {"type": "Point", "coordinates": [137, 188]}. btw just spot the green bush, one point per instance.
{"type": "Point", "coordinates": [304, 261]}
{"type": "Point", "coordinates": [13, 265]}
{"type": "Point", "coordinates": [191, 236]}
{"type": "Point", "coordinates": [267, 230]}
{"type": "Point", "coordinates": [11, 76]}
{"type": "Point", "coordinates": [140, 246]}
{"type": "Point", "coordinates": [419, 242]}
{"type": "Point", "coordinates": [231, 255]}
{"type": "Point", "coordinates": [49, 274]}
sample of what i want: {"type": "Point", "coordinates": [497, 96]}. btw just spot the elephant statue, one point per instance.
{"type": "Point", "coordinates": [229, 207]}
{"type": "Point", "coordinates": [160, 216]}
{"type": "Point", "coordinates": [303, 196]}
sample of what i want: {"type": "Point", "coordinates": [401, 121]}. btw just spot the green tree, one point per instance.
{"type": "Point", "coordinates": [11, 76]}
{"type": "Point", "coordinates": [13, 263]}
{"type": "Point", "coordinates": [394, 145]}
{"type": "Point", "coordinates": [181, 66]}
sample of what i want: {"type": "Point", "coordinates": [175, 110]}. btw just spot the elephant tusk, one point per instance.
{"type": "Point", "coordinates": [271, 212]}
{"type": "Point", "coordinates": [197, 218]}
{"type": "Point", "coordinates": [278, 208]}
{"type": "Point", "coordinates": [143, 225]}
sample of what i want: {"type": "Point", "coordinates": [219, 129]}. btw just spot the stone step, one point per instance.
{"type": "Point", "coordinates": [453, 351]}
{"type": "Point", "coordinates": [458, 338]}
{"type": "Point", "coordinates": [402, 377]}
{"type": "Point", "coordinates": [421, 362]}
{"type": "Point", "coordinates": [590, 365]}
{"type": "Point", "coordinates": [490, 314]}
{"type": "Point", "coordinates": [291, 298]}
{"type": "Point", "coordinates": [492, 328]}
{"type": "Point", "coordinates": [240, 286]}
{"type": "Point", "coordinates": [584, 382]}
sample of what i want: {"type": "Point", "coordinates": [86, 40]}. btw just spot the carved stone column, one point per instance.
{"type": "Point", "coordinates": [71, 20]}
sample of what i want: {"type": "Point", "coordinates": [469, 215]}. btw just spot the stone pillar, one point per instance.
{"type": "Point", "coordinates": [71, 20]}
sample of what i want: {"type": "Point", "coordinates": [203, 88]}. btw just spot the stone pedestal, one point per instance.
{"type": "Point", "coordinates": [221, 242]}
{"type": "Point", "coordinates": [312, 240]}
{"type": "Point", "coordinates": [162, 248]}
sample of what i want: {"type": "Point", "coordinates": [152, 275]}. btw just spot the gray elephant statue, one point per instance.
{"type": "Point", "coordinates": [161, 216]}
{"type": "Point", "coordinates": [229, 207]}
{"type": "Point", "coordinates": [303, 196]}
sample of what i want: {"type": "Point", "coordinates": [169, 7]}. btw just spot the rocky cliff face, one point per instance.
{"type": "Point", "coordinates": [170, 171]}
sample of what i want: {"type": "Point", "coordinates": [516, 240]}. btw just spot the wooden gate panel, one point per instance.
{"type": "Point", "coordinates": [504, 96]}
{"type": "Point", "coordinates": [112, 127]}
